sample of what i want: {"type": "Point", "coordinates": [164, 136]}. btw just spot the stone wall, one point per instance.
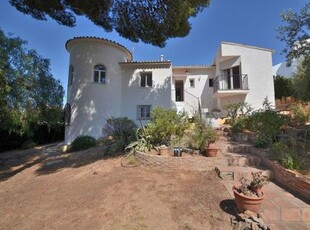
{"type": "Point", "coordinates": [186, 162]}
{"type": "Point", "coordinates": [293, 181]}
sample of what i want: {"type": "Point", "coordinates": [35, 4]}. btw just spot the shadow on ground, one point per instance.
{"type": "Point", "coordinates": [228, 206]}
{"type": "Point", "coordinates": [72, 160]}
{"type": "Point", "coordinates": [14, 162]}
{"type": "Point", "coordinates": [48, 159]}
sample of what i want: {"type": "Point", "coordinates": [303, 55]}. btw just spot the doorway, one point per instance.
{"type": "Point", "coordinates": [236, 77]}
{"type": "Point", "coordinates": [179, 90]}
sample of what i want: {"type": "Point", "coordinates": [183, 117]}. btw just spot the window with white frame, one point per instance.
{"type": "Point", "coordinates": [144, 112]}
{"type": "Point", "coordinates": [99, 74]}
{"type": "Point", "coordinates": [71, 74]}
{"type": "Point", "coordinates": [146, 79]}
{"type": "Point", "coordinates": [192, 83]}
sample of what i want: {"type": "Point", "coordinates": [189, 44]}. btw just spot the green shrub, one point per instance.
{"type": "Point", "coordinates": [290, 162]}
{"type": "Point", "coordinates": [122, 130]}
{"type": "Point", "coordinates": [82, 143]}
{"type": "Point", "coordinates": [28, 144]}
{"type": "Point", "coordinates": [164, 124]}
{"type": "Point", "coordinates": [284, 155]}
{"type": "Point", "coordinates": [299, 116]}
{"type": "Point", "coordinates": [266, 124]}
{"type": "Point", "coordinates": [240, 124]}
{"type": "Point", "coordinates": [119, 127]}
{"type": "Point", "coordinates": [235, 110]}
{"type": "Point", "coordinates": [202, 134]}
{"type": "Point", "coordinates": [278, 150]}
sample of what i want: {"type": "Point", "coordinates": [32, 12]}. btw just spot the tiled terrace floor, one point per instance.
{"type": "Point", "coordinates": [281, 210]}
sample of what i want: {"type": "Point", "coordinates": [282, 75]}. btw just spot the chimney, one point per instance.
{"type": "Point", "coordinates": [161, 58]}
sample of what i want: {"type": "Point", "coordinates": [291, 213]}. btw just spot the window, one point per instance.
{"type": "Point", "coordinates": [99, 74]}
{"type": "Point", "coordinates": [192, 83]}
{"type": "Point", "coordinates": [146, 79]}
{"type": "Point", "coordinates": [144, 112]}
{"type": "Point", "coordinates": [71, 74]}
{"type": "Point", "coordinates": [210, 82]}
{"type": "Point", "coordinates": [67, 111]}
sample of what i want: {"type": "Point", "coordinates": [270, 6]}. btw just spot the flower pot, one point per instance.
{"type": "Point", "coordinates": [211, 151]}
{"type": "Point", "coordinates": [163, 151]}
{"type": "Point", "coordinates": [247, 203]}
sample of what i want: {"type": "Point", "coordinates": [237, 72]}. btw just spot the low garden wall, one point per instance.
{"type": "Point", "coordinates": [293, 181]}
{"type": "Point", "coordinates": [186, 162]}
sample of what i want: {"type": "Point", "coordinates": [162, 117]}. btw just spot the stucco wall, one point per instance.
{"type": "Point", "coordinates": [201, 89]}
{"type": "Point", "coordinates": [257, 64]}
{"type": "Point", "coordinates": [92, 103]}
{"type": "Point", "coordinates": [133, 94]}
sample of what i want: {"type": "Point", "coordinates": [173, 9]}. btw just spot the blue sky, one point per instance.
{"type": "Point", "coordinates": [241, 21]}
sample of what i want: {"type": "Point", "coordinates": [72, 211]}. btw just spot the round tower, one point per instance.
{"type": "Point", "coordinates": [94, 91]}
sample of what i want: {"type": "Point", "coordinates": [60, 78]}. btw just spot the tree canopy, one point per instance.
{"type": "Point", "coordinates": [282, 87]}
{"type": "Point", "coordinates": [301, 81]}
{"type": "Point", "coordinates": [151, 21]}
{"type": "Point", "coordinates": [296, 33]}
{"type": "Point", "coordinates": [28, 91]}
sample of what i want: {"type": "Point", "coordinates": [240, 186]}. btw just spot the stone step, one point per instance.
{"type": "Point", "coordinates": [236, 159]}
{"type": "Point", "coordinates": [236, 147]}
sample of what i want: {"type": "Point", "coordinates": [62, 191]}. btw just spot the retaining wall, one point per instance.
{"type": "Point", "coordinates": [293, 181]}
{"type": "Point", "coordinates": [186, 162]}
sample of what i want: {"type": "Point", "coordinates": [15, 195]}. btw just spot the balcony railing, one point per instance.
{"type": "Point", "coordinates": [231, 82]}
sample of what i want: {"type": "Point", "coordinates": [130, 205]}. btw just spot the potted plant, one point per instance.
{"type": "Point", "coordinates": [249, 196]}
{"type": "Point", "coordinates": [203, 138]}
{"type": "Point", "coordinates": [210, 148]}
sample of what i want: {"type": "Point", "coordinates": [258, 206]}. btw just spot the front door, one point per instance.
{"type": "Point", "coordinates": [179, 90]}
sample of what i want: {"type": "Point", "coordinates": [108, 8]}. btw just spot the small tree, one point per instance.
{"type": "Point", "coordinates": [282, 87]}
{"type": "Point", "coordinates": [296, 33]}
{"type": "Point", "coordinates": [237, 109]}
{"type": "Point", "coordinates": [301, 81]}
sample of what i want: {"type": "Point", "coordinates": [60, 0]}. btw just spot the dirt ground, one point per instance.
{"type": "Point", "coordinates": [41, 189]}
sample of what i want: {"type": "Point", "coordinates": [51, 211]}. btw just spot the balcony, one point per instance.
{"type": "Point", "coordinates": [230, 85]}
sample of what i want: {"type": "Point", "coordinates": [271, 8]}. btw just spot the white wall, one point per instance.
{"type": "Point", "coordinates": [134, 95]}
{"type": "Point", "coordinates": [257, 64]}
{"type": "Point", "coordinates": [200, 91]}
{"type": "Point", "coordinates": [93, 103]}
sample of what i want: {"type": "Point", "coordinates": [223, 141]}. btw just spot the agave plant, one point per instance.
{"type": "Point", "coordinates": [143, 142]}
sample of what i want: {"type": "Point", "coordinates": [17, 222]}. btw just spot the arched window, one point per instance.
{"type": "Point", "coordinates": [71, 74]}
{"type": "Point", "coordinates": [99, 74]}
{"type": "Point", "coordinates": [67, 114]}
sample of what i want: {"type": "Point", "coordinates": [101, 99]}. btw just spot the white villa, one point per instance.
{"type": "Point", "coordinates": [105, 82]}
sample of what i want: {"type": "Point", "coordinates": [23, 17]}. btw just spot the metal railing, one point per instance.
{"type": "Point", "coordinates": [231, 82]}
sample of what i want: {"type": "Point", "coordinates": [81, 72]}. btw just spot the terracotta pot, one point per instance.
{"type": "Point", "coordinates": [211, 151]}
{"type": "Point", "coordinates": [163, 151]}
{"type": "Point", "coordinates": [247, 203]}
